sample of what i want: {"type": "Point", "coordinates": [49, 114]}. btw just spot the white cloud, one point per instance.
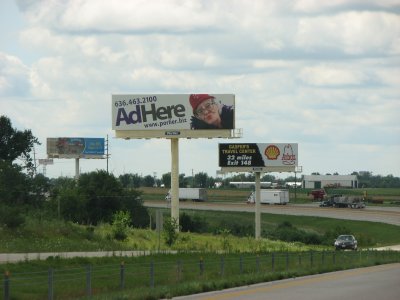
{"type": "Point", "coordinates": [354, 33]}
{"type": "Point", "coordinates": [325, 75]}
{"type": "Point", "coordinates": [320, 73]}
{"type": "Point", "coordinates": [14, 76]}
{"type": "Point", "coordinates": [314, 6]}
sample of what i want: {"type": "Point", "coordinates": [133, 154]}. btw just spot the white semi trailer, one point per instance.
{"type": "Point", "coordinates": [194, 194]}
{"type": "Point", "coordinates": [270, 197]}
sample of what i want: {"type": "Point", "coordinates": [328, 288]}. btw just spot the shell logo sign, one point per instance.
{"type": "Point", "coordinates": [272, 152]}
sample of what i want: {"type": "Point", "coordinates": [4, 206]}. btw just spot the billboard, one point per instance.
{"type": "Point", "coordinates": [75, 147]}
{"type": "Point", "coordinates": [46, 161]}
{"type": "Point", "coordinates": [173, 114]}
{"type": "Point", "coordinates": [258, 157]}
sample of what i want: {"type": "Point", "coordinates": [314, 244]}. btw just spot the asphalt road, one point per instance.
{"type": "Point", "coordinates": [389, 215]}
{"type": "Point", "coordinates": [371, 283]}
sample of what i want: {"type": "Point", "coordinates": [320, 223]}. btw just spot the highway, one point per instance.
{"type": "Point", "coordinates": [389, 215]}
{"type": "Point", "coordinates": [371, 283]}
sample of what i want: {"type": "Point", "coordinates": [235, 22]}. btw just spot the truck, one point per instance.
{"type": "Point", "coordinates": [318, 194]}
{"type": "Point", "coordinates": [270, 197]}
{"type": "Point", "coordinates": [341, 201]}
{"type": "Point", "coordinates": [194, 194]}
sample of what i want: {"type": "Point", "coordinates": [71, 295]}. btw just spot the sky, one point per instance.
{"type": "Point", "coordinates": [323, 74]}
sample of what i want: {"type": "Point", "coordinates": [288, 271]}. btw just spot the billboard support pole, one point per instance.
{"type": "Point", "coordinates": [257, 206]}
{"type": "Point", "coordinates": [175, 180]}
{"type": "Point", "coordinates": [77, 168]}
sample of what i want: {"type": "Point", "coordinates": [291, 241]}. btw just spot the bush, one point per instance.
{"type": "Point", "coordinates": [121, 221]}
{"type": "Point", "coordinates": [192, 224]}
{"type": "Point", "coordinates": [287, 233]}
{"type": "Point", "coordinates": [11, 217]}
{"type": "Point", "coordinates": [234, 228]}
{"type": "Point", "coordinates": [170, 231]}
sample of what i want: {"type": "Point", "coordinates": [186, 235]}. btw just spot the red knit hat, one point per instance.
{"type": "Point", "coordinates": [196, 99]}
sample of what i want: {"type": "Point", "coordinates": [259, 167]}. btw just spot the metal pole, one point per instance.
{"type": "Point", "coordinates": [295, 186]}
{"type": "Point", "coordinates": [50, 284]}
{"type": "Point", "coordinates": [257, 206]}
{"type": "Point", "coordinates": [107, 153]}
{"type": "Point", "coordinates": [88, 281]}
{"type": "Point", "coordinates": [175, 180]}
{"type": "Point", "coordinates": [152, 274]}
{"type": "Point", "coordinates": [77, 168]}
{"type": "Point", "coordinates": [122, 275]}
{"type": "Point", "coordinates": [6, 285]}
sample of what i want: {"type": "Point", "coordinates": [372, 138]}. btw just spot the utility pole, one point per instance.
{"type": "Point", "coordinates": [107, 155]}
{"type": "Point", "coordinates": [34, 160]}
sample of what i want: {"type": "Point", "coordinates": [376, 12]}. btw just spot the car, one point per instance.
{"type": "Point", "coordinates": [346, 241]}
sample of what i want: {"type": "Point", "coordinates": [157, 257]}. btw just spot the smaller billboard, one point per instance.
{"type": "Point", "coordinates": [75, 147]}
{"type": "Point", "coordinates": [259, 157]}
{"type": "Point", "coordinates": [46, 161]}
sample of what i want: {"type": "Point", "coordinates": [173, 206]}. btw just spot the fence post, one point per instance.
{"type": "Point", "coordinates": [258, 263]}
{"type": "Point", "coordinates": [334, 258]}
{"type": "Point", "coordinates": [6, 285]}
{"type": "Point", "coordinates": [89, 280]}
{"type": "Point", "coordinates": [179, 270]}
{"type": "Point", "coordinates": [323, 258]}
{"type": "Point", "coordinates": [299, 258]}
{"type": "Point", "coordinates": [241, 264]}
{"type": "Point", "coordinates": [311, 259]}
{"type": "Point", "coordinates": [152, 274]}
{"type": "Point", "coordinates": [222, 265]}
{"type": "Point", "coordinates": [273, 262]}
{"type": "Point", "coordinates": [122, 275]}
{"type": "Point", "coordinates": [287, 261]}
{"type": "Point", "coordinates": [50, 284]}
{"type": "Point", "coordinates": [201, 266]}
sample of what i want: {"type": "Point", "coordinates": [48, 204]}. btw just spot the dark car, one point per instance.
{"type": "Point", "coordinates": [346, 242]}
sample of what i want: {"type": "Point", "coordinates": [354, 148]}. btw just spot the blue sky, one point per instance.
{"type": "Point", "coordinates": [323, 74]}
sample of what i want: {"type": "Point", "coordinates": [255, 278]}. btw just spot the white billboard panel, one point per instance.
{"type": "Point", "coordinates": [46, 161]}
{"type": "Point", "coordinates": [253, 157]}
{"type": "Point", "coordinates": [172, 115]}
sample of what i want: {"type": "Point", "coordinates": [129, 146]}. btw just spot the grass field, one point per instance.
{"type": "Point", "coordinates": [212, 260]}
{"type": "Point", "coordinates": [163, 276]}
{"type": "Point", "coordinates": [55, 236]}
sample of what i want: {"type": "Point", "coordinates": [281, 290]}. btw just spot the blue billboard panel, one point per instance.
{"type": "Point", "coordinates": [70, 147]}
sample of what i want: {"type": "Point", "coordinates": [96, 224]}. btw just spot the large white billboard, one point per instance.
{"type": "Point", "coordinates": [172, 114]}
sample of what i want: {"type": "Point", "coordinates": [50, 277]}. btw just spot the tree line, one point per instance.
{"type": "Point", "coordinates": [202, 180]}
{"type": "Point", "coordinates": [96, 196]}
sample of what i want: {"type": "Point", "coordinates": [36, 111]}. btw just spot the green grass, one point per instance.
{"type": "Point", "coordinates": [368, 233]}
{"type": "Point", "coordinates": [59, 236]}
{"type": "Point", "coordinates": [161, 276]}
{"type": "Point", "coordinates": [180, 274]}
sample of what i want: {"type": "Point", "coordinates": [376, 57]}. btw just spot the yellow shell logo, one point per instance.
{"type": "Point", "coordinates": [272, 152]}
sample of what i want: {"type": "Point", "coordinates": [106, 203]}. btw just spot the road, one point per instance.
{"type": "Point", "coordinates": [389, 215]}
{"type": "Point", "coordinates": [371, 283]}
